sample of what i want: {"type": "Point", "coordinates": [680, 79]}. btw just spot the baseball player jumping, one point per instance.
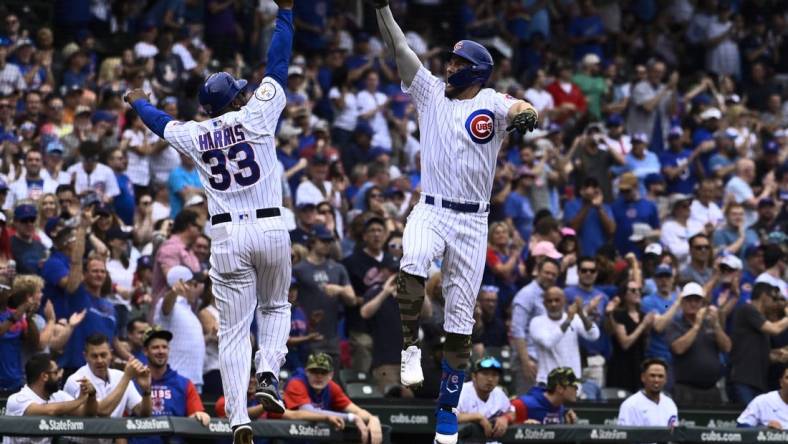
{"type": "Point", "coordinates": [462, 127]}
{"type": "Point", "coordinates": [250, 252]}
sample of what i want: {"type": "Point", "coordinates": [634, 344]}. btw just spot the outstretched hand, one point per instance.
{"type": "Point", "coordinates": [524, 121]}
{"type": "Point", "coordinates": [135, 94]}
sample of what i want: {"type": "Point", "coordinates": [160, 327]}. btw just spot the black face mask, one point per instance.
{"type": "Point", "coordinates": [52, 386]}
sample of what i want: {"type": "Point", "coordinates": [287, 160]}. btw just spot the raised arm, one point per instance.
{"type": "Point", "coordinates": [408, 62]}
{"type": "Point", "coordinates": [281, 43]}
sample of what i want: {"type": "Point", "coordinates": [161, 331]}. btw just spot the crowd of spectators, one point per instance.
{"type": "Point", "coordinates": [644, 218]}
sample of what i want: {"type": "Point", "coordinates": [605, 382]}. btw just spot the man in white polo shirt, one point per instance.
{"type": "Point", "coordinates": [650, 407]}
{"type": "Point", "coordinates": [115, 394]}
{"type": "Point", "coordinates": [769, 409]}
{"type": "Point", "coordinates": [42, 397]}
{"type": "Point", "coordinates": [174, 313]}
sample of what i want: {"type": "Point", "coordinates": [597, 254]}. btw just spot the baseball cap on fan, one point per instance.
{"type": "Point", "coordinates": [692, 289]}
{"type": "Point", "coordinates": [179, 273]}
{"type": "Point", "coordinates": [546, 248]}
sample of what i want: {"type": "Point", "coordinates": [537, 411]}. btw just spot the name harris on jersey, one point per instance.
{"type": "Point", "coordinates": [221, 137]}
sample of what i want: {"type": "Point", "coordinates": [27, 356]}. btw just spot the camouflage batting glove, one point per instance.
{"type": "Point", "coordinates": [378, 3]}
{"type": "Point", "coordinates": [524, 122]}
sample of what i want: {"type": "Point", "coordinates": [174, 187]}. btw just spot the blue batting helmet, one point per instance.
{"type": "Point", "coordinates": [218, 91]}
{"type": "Point", "coordinates": [481, 64]}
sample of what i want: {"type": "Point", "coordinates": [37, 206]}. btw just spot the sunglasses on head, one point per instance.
{"type": "Point", "coordinates": [489, 363]}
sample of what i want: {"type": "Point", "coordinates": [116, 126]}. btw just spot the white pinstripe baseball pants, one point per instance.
{"type": "Point", "coordinates": [250, 267]}
{"type": "Point", "coordinates": [461, 240]}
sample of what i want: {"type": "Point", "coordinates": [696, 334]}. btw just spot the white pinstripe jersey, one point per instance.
{"type": "Point", "coordinates": [460, 139]}
{"type": "Point", "coordinates": [235, 153]}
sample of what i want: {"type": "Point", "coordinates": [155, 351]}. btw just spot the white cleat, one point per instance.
{"type": "Point", "coordinates": [410, 367]}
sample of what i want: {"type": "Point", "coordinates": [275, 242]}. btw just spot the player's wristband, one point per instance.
{"type": "Point", "coordinates": [351, 417]}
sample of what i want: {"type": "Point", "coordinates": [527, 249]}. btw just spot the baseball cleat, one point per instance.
{"type": "Point", "coordinates": [242, 434]}
{"type": "Point", "coordinates": [446, 426]}
{"type": "Point", "coordinates": [410, 372]}
{"type": "Point", "coordinates": [268, 393]}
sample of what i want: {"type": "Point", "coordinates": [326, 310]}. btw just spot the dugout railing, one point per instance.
{"type": "Point", "coordinates": [189, 428]}
{"type": "Point", "coordinates": [296, 431]}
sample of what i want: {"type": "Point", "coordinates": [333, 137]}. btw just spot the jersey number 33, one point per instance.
{"type": "Point", "coordinates": [248, 169]}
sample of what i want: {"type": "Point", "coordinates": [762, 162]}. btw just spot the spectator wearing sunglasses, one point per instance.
{"type": "Point", "coordinates": [28, 252]}
{"type": "Point", "coordinates": [483, 401]}
{"type": "Point", "coordinates": [545, 404]}
{"type": "Point", "coordinates": [629, 325]}
{"type": "Point", "coordinates": [699, 268]}
{"type": "Point", "coordinates": [596, 351]}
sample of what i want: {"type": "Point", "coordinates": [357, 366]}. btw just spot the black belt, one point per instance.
{"type": "Point", "coordinates": [261, 213]}
{"type": "Point", "coordinates": [456, 206]}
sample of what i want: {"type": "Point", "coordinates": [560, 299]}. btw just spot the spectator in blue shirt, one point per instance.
{"type": "Point", "coordinates": [723, 163]}
{"type": "Point", "coordinates": [664, 303]}
{"type": "Point", "coordinates": [679, 163]}
{"type": "Point", "coordinates": [630, 209]}
{"type": "Point", "coordinates": [702, 137]}
{"type": "Point", "coordinates": [587, 32]}
{"type": "Point", "coordinates": [590, 217]}
{"type": "Point", "coordinates": [17, 328]}
{"type": "Point", "coordinates": [310, 17]}
{"type": "Point", "coordinates": [123, 202]}
{"type": "Point", "coordinates": [99, 318]}
{"type": "Point", "coordinates": [594, 302]}
{"type": "Point", "coordinates": [184, 183]}
{"type": "Point", "coordinates": [734, 237]}
{"type": "Point", "coordinates": [517, 206]}
{"type": "Point", "coordinates": [26, 249]}
{"type": "Point", "coordinates": [62, 271]}
{"type": "Point", "coordinates": [640, 161]}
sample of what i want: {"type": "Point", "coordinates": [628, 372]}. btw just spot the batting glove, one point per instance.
{"type": "Point", "coordinates": [378, 3]}
{"type": "Point", "coordinates": [524, 122]}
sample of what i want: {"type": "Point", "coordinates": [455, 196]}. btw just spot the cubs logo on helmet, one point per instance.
{"type": "Point", "coordinates": [480, 125]}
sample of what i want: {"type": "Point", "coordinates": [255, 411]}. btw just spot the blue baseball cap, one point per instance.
{"type": "Point", "coordinates": [25, 211]}
{"type": "Point", "coordinates": [663, 270]}
{"type": "Point", "coordinates": [102, 116]}
{"type": "Point", "coordinates": [675, 132]}
{"type": "Point", "coordinates": [771, 147]}
{"type": "Point", "coordinates": [51, 226]}
{"type": "Point", "coordinates": [364, 127]}
{"type": "Point", "coordinates": [653, 178]}
{"type": "Point", "coordinates": [54, 146]}
{"type": "Point", "coordinates": [615, 120]}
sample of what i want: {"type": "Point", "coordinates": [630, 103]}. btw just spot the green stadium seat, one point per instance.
{"type": "Point", "coordinates": [357, 390]}
{"type": "Point", "coordinates": [614, 394]}
{"type": "Point", "coordinates": [348, 376]}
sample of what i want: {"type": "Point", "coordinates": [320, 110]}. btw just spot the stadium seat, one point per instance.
{"type": "Point", "coordinates": [348, 375]}
{"type": "Point", "coordinates": [613, 393]}
{"type": "Point", "coordinates": [362, 390]}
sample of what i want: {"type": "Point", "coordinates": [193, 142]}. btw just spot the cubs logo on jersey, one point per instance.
{"type": "Point", "coordinates": [480, 126]}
